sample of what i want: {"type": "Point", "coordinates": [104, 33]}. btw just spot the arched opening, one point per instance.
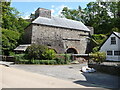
{"type": "Point", "coordinates": [72, 51]}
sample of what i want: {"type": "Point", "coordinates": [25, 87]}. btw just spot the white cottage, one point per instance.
{"type": "Point", "coordinates": [112, 47]}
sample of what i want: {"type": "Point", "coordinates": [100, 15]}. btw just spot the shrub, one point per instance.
{"type": "Point", "coordinates": [12, 53]}
{"type": "Point", "coordinates": [35, 51]}
{"type": "Point", "coordinates": [48, 62]}
{"type": "Point", "coordinates": [45, 62]}
{"type": "Point", "coordinates": [49, 54]}
{"type": "Point", "coordinates": [19, 57]}
{"type": "Point", "coordinates": [39, 52]}
{"type": "Point", "coordinates": [95, 49]}
{"type": "Point", "coordinates": [63, 58]}
{"type": "Point", "coordinates": [98, 57]}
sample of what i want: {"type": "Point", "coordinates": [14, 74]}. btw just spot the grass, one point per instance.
{"type": "Point", "coordinates": [42, 62]}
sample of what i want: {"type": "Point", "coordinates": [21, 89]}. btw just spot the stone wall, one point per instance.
{"type": "Point", "coordinates": [43, 13]}
{"type": "Point", "coordinates": [27, 36]}
{"type": "Point", "coordinates": [59, 39]}
{"type": "Point", "coordinates": [114, 70]}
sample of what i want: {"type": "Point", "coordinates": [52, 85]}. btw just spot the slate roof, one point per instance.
{"type": "Point", "coordinates": [61, 22]}
{"type": "Point", "coordinates": [117, 34]}
{"type": "Point", "coordinates": [22, 47]}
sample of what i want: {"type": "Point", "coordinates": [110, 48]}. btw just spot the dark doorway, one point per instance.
{"type": "Point", "coordinates": [72, 51]}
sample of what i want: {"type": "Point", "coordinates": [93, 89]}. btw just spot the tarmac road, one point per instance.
{"type": "Point", "coordinates": [73, 73]}
{"type": "Point", "coordinates": [16, 78]}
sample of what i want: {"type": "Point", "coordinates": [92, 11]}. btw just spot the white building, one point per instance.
{"type": "Point", "coordinates": [112, 47]}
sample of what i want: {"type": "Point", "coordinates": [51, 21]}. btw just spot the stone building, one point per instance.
{"type": "Point", "coordinates": [61, 34]}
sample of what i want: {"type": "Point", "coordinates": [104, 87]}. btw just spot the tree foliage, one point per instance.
{"type": "Point", "coordinates": [103, 16]}
{"type": "Point", "coordinates": [98, 39]}
{"type": "Point", "coordinates": [9, 40]}
{"type": "Point", "coordinates": [11, 18]}
{"type": "Point", "coordinates": [12, 27]}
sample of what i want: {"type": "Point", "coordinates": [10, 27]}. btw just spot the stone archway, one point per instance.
{"type": "Point", "coordinates": [71, 51]}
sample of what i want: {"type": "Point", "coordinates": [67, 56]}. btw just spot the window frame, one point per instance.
{"type": "Point", "coordinates": [109, 53]}
{"type": "Point", "coordinates": [113, 40]}
{"type": "Point", "coordinates": [116, 53]}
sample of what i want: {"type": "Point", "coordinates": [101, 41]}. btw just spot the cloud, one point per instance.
{"type": "Point", "coordinates": [26, 15]}
{"type": "Point", "coordinates": [52, 6]}
{"type": "Point", "coordinates": [57, 10]}
{"type": "Point", "coordinates": [33, 11]}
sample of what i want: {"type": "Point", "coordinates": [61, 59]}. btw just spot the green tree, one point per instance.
{"type": "Point", "coordinates": [12, 27]}
{"type": "Point", "coordinates": [9, 40]}
{"type": "Point", "coordinates": [11, 18]}
{"type": "Point", "coordinates": [103, 16]}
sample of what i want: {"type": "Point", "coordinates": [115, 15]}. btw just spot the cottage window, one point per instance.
{"type": "Point", "coordinates": [109, 53]}
{"type": "Point", "coordinates": [117, 53]}
{"type": "Point", "coordinates": [113, 40]}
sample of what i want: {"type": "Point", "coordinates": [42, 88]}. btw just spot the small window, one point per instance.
{"type": "Point", "coordinates": [113, 40]}
{"type": "Point", "coordinates": [117, 53]}
{"type": "Point", "coordinates": [109, 52]}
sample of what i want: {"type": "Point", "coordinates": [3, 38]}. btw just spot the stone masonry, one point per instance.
{"type": "Point", "coordinates": [58, 38]}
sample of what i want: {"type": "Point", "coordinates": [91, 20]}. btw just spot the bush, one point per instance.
{"type": "Point", "coordinates": [19, 56]}
{"type": "Point", "coordinates": [39, 52]}
{"type": "Point", "coordinates": [35, 51]}
{"type": "Point", "coordinates": [95, 49]}
{"type": "Point", "coordinates": [44, 62]}
{"type": "Point", "coordinates": [48, 62]}
{"type": "Point", "coordinates": [98, 57]}
{"type": "Point", "coordinates": [49, 54]}
{"type": "Point", "coordinates": [12, 53]}
{"type": "Point", "coordinates": [63, 58]}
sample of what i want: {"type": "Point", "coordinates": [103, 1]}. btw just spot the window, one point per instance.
{"type": "Point", "coordinates": [117, 53]}
{"type": "Point", "coordinates": [109, 52]}
{"type": "Point", "coordinates": [113, 40]}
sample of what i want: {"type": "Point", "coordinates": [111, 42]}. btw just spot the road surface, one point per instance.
{"type": "Point", "coordinates": [16, 78]}
{"type": "Point", "coordinates": [72, 73]}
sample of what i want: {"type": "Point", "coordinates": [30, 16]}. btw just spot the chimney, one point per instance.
{"type": "Point", "coordinates": [43, 13]}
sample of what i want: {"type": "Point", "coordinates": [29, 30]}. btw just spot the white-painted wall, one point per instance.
{"type": "Point", "coordinates": [107, 46]}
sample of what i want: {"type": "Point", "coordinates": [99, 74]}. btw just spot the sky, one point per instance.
{"type": "Point", "coordinates": [26, 8]}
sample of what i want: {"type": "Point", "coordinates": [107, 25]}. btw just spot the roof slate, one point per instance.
{"type": "Point", "coordinates": [61, 22]}
{"type": "Point", "coordinates": [118, 34]}
{"type": "Point", "coordinates": [22, 47]}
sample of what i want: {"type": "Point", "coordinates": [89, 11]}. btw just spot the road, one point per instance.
{"type": "Point", "coordinates": [73, 73]}
{"type": "Point", "coordinates": [16, 78]}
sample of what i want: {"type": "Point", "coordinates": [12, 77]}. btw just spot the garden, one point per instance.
{"type": "Point", "coordinates": [39, 54]}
